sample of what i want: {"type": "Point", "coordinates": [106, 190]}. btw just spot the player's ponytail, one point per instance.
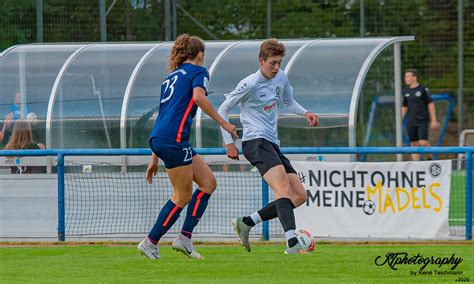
{"type": "Point", "coordinates": [185, 47]}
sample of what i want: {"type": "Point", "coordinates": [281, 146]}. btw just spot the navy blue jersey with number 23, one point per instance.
{"type": "Point", "coordinates": [177, 107]}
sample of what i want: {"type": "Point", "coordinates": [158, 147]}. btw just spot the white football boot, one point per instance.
{"type": "Point", "coordinates": [150, 251]}
{"type": "Point", "coordinates": [185, 245]}
{"type": "Point", "coordinates": [296, 249]}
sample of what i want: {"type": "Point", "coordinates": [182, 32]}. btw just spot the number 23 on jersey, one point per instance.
{"type": "Point", "coordinates": [169, 86]}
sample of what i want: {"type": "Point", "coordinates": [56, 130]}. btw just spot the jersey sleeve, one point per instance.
{"type": "Point", "coordinates": [405, 99]}
{"type": "Point", "coordinates": [201, 80]}
{"type": "Point", "coordinates": [427, 94]}
{"type": "Point", "coordinates": [232, 99]}
{"type": "Point", "coordinates": [289, 101]}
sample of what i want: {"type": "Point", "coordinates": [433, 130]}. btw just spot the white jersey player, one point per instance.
{"type": "Point", "coordinates": [260, 97]}
{"type": "Point", "coordinates": [260, 100]}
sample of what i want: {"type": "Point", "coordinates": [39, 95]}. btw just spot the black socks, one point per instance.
{"type": "Point", "coordinates": [284, 209]}
{"type": "Point", "coordinates": [267, 213]}
{"type": "Point", "coordinates": [248, 221]}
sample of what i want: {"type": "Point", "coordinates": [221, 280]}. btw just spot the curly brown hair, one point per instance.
{"type": "Point", "coordinates": [185, 47]}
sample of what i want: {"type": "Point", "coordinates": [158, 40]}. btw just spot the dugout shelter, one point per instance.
{"type": "Point", "coordinates": [106, 95]}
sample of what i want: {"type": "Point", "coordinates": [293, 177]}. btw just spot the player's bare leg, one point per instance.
{"type": "Point", "coordinates": [298, 194]}
{"type": "Point", "coordinates": [181, 179]}
{"type": "Point", "coordinates": [278, 181]}
{"type": "Point", "coordinates": [204, 178]}
{"type": "Point", "coordinates": [415, 156]}
{"type": "Point", "coordinates": [425, 143]}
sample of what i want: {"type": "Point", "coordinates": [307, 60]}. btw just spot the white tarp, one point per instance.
{"type": "Point", "coordinates": [376, 200]}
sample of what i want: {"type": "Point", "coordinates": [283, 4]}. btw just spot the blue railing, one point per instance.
{"type": "Point", "coordinates": [60, 154]}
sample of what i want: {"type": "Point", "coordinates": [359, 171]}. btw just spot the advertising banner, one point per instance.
{"type": "Point", "coordinates": [375, 200]}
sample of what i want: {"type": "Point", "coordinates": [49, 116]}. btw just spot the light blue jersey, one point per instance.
{"type": "Point", "coordinates": [260, 100]}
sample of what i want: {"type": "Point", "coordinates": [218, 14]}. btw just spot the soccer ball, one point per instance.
{"type": "Point", "coordinates": [306, 240]}
{"type": "Point", "coordinates": [369, 207]}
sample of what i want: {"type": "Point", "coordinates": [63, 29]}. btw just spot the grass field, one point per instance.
{"type": "Point", "coordinates": [457, 208]}
{"type": "Point", "coordinates": [337, 263]}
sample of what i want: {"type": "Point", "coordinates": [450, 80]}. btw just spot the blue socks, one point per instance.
{"type": "Point", "coordinates": [196, 209]}
{"type": "Point", "coordinates": [170, 213]}
{"type": "Point", "coordinates": [167, 217]}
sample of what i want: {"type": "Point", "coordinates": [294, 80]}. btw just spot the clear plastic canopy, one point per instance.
{"type": "Point", "coordinates": [107, 95]}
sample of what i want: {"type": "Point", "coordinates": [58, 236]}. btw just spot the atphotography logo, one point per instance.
{"type": "Point", "coordinates": [393, 260]}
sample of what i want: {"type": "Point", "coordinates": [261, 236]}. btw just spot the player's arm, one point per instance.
{"type": "Point", "coordinates": [152, 168]}
{"type": "Point", "coordinates": [199, 86]}
{"type": "Point", "coordinates": [434, 124]}
{"type": "Point", "coordinates": [200, 99]}
{"type": "Point", "coordinates": [293, 106]}
{"type": "Point", "coordinates": [2, 132]}
{"type": "Point", "coordinates": [8, 121]}
{"type": "Point", "coordinates": [432, 111]}
{"type": "Point", "coordinates": [231, 100]}
{"type": "Point", "coordinates": [6, 124]}
{"type": "Point", "coordinates": [404, 107]}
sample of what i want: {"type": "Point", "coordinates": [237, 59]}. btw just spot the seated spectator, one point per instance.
{"type": "Point", "coordinates": [6, 132]}
{"type": "Point", "coordinates": [22, 139]}
{"type": "Point", "coordinates": [16, 112]}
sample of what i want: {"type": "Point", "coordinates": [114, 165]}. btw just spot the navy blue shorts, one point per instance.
{"type": "Point", "coordinates": [172, 153]}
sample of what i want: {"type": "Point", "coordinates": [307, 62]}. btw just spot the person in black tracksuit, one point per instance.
{"type": "Point", "coordinates": [419, 107]}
